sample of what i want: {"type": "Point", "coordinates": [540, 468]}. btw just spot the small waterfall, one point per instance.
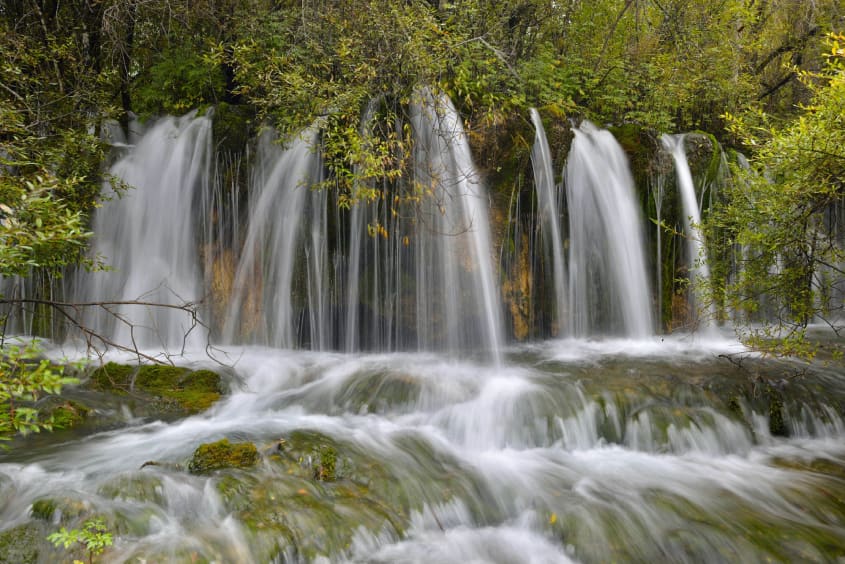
{"type": "Point", "coordinates": [658, 192]}
{"type": "Point", "coordinates": [263, 307]}
{"type": "Point", "coordinates": [147, 237]}
{"type": "Point", "coordinates": [699, 271]}
{"type": "Point", "coordinates": [357, 250]}
{"type": "Point", "coordinates": [549, 214]}
{"type": "Point", "coordinates": [608, 286]}
{"type": "Point", "coordinates": [457, 300]}
{"type": "Point", "coordinates": [395, 276]}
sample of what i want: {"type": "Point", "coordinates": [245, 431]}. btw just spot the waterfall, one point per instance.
{"type": "Point", "coordinates": [263, 306]}
{"type": "Point", "coordinates": [358, 248]}
{"type": "Point", "coordinates": [458, 304]}
{"type": "Point", "coordinates": [146, 237]}
{"type": "Point", "coordinates": [658, 192]}
{"type": "Point", "coordinates": [608, 286]}
{"type": "Point", "coordinates": [549, 214]}
{"type": "Point", "coordinates": [699, 272]}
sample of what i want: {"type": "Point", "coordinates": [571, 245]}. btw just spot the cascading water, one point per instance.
{"type": "Point", "coordinates": [608, 286]}
{"type": "Point", "coordinates": [458, 305]}
{"type": "Point", "coordinates": [699, 271]}
{"type": "Point", "coordinates": [263, 307]}
{"type": "Point", "coordinates": [424, 275]}
{"type": "Point", "coordinates": [547, 197]}
{"type": "Point", "coordinates": [357, 253]}
{"type": "Point", "coordinates": [422, 457]}
{"type": "Point", "coordinates": [417, 458]}
{"type": "Point", "coordinates": [146, 237]}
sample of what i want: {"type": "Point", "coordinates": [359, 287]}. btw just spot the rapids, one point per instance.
{"type": "Point", "coordinates": [570, 451]}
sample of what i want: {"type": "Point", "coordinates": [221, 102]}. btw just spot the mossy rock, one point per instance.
{"type": "Point", "coordinates": [222, 455]}
{"type": "Point", "coordinates": [777, 425]}
{"type": "Point", "coordinates": [379, 392]}
{"type": "Point", "coordinates": [69, 509]}
{"type": "Point", "coordinates": [311, 454]}
{"type": "Point", "coordinates": [64, 413]}
{"type": "Point", "coordinates": [44, 509]}
{"type": "Point", "coordinates": [21, 545]}
{"type": "Point", "coordinates": [184, 389]}
{"type": "Point", "coordinates": [112, 377]}
{"type": "Point", "coordinates": [316, 492]}
{"type": "Point", "coordinates": [302, 516]}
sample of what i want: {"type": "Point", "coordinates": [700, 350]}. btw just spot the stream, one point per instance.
{"type": "Point", "coordinates": [577, 450]}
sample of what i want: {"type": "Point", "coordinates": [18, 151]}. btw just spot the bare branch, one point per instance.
{"type": "Point", "coordinates": [71, 311]}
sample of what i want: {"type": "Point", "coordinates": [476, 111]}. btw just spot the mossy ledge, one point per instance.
{"type": "Point", "coordinates": [193, 391]}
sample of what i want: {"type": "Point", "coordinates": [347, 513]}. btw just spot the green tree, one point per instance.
{"type": "Point", "coordinates": [779, 221]}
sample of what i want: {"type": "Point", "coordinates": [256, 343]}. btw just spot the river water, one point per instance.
{"type": "Point", "coordinates": [568, 451]}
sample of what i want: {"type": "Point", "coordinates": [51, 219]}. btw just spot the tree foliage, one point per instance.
{"type": "Point", "coordinates": [24, 377]}
{"type": "Point", "coordinates": [51, 104]}
{"type": "Point", "coordinates": [351, 68]}
{"type": "Point", "coordinates": [782, 218]}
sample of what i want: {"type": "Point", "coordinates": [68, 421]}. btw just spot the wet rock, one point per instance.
{"type": "Point", "coordinates": [20, 545]}
{"type": "Point", "coordinates": [172, 387]}
{"type": "Point", "coordinates": [43, 509]}
{"type": "Point", "coordinates": [64, 510]}
{"type": "Point", "coordinates": [777, 425]}
{"type": "Point", "coordinates": [221, 455]}
{"type": "Point", "coordinates": [64, 413]}
{"type": "Point", "coordinates": [135, 486]}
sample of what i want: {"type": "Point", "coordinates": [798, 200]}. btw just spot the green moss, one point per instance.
{"type": "Point", "coordinates": [222, 454]}
{"type": "Point", "coordinates": [20, 545]}
{"type": "Point", "coordinates": [158, 378]}
{"type": "Point", "coordinates": [327, 471]}
{"type": "Point", "coordinates": [43, 509]}
{"type": "Point", "coordinates": [112, 377]}
{"type": "Point", "coordinates": [777, 425]}
{"type": "Point", "coordinates": [69, 414]}
{"type": "Point", "coordinates": [191, 391]}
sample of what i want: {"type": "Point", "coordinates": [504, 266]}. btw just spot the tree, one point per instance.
{"type": "Point", "coordinates": [781, 222]}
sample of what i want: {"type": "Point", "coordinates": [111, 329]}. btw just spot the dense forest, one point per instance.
{"type": "Point", "coordinates": [762, 77]}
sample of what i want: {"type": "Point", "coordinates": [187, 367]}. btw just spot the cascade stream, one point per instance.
{"type": "Point", "coordinates": [699, 272]}
{"type": "Point", "coordinates": [608, 285]}
{"type": "Point", "coordinates": [364, 354]}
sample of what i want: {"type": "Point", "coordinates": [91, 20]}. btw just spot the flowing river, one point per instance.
{"type": "Point", "coordinates": [568, 451]}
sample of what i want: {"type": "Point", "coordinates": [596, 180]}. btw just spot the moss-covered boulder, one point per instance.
{"type": "Point", "coordinates": [174, 387]}
{"type": "Point", "coordinates": [65, 509]}
{"type": "Point", "coordinates": [221, 455]}
{"type": "Point", "coordinates": [43, 509]}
